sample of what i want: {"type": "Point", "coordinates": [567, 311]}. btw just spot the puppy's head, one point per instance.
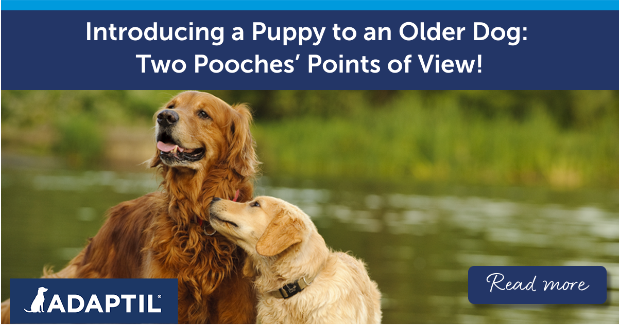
{"type": "Point", "coordinates": [266, 226]}
{"type": "Point", "coordinates": [42, 289]}
{"type": "Point", "coordinates": [197, 130]}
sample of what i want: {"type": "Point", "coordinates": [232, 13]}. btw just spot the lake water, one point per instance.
{"type": "Point", "coordinates": [418, 240]}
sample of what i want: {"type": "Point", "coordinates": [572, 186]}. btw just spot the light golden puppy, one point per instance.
{"type": "Point", "coordinates": [297, 277]}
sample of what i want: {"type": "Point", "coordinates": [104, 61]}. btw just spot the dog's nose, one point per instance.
{"type": "Point", "coordinates": [167, 117]}
{"type": "Point", "coordinates": [215, 199]}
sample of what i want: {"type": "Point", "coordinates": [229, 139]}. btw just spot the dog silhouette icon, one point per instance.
{"type": "Point", "coordinates": [37, 303]}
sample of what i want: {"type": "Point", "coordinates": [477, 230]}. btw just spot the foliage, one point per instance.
{"type": "Point", "coordinates": [562, 138]}
{"type": "Point", "coordinates": [416, 139]}
{"type": "Point", "coordinates": [81, 140]}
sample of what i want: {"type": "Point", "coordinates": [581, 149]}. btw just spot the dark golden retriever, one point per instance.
{"type": "Point", "coordinates": [204, 150]}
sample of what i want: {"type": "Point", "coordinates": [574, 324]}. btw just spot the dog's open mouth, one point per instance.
{"type": "Point", "coordinates": [170, 150]}
{"type": "Point", "coordinates": [217, 218]}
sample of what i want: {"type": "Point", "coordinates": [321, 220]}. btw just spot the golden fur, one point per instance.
{"type": "Point", "coordinates": [283, 245]}
{"type": "Point", "coordinates": [157, 236]}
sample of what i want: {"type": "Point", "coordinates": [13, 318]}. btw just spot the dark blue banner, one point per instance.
{"type": "Point", "coordinates": [537, 285]}
{"type": "Point", "coordinates": [309, 5]}
{"type": "Point", "coordinates": [278, 49]}
{"type": "Point", "coordinates": [84, 301]}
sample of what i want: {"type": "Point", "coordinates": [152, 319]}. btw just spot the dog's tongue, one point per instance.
{"type": "Point", "coordinates": [167, 147]}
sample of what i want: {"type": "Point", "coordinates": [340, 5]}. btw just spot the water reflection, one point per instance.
{"type": "Point", "coordinates": [418, 244]}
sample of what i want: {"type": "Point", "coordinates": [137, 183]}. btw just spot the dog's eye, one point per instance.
{"type": "Point", "coordinates": [255, 204]}
{"type": "Point", "coordinates": [171, 106]}
{"type": "Point", "coordinates": [203, 114]}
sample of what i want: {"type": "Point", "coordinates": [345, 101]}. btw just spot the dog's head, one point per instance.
{"type": "Point", "coordinates": [42, 289]}
{"type": "Point", "coordinates": [266, 225]}
{"type": "Point", "coordinates": [197, 130]}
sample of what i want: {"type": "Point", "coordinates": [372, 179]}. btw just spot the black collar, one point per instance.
{"type": "Point", "coordinates": [291, 289]}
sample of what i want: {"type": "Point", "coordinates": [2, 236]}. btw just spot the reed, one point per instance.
{"type": "Point", "coordinates": [439, 141]}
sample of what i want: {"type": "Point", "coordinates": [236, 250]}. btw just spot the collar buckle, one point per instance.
{"type": "Point", "coordinates": [291, 289]}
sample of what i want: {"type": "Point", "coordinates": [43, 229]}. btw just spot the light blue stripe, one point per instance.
{"type": "Point", "coordinates": [308, 5]}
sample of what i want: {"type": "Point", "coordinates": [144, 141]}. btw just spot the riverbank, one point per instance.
{"type": "Point", "coordinates": [474, 138]}
{"type": "Point", "coordinates": [444, 144]}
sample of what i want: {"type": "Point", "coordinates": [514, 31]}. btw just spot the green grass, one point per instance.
{"type": "Point", "coordinates": [410, 140]}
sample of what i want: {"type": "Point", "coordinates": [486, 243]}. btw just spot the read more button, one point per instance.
{"type": "Point", "coordinates": [537, 284]}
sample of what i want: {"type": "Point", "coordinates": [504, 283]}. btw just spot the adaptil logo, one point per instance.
{"type": "Point", "coordinates": [111, 301]}
{"type": "Point", "coordinates": [94, 301]}
{"type": "Point", "coordinates": [37, 303]}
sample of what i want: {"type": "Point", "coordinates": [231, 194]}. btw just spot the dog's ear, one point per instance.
{"type": "Point", "coordinates": [284, 231]}
{"type": "Point", "coordinates": [242, 155]}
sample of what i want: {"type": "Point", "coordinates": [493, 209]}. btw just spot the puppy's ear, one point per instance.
{"type": "Point", "coordinates": [284, 231]}
{"type": "Point", "coordinates": [242, 155]}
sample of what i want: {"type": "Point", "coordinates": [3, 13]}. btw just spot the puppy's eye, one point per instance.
{"type": "Point", "coordinates": [255, 204]}
{"type": "Point", "coordinates": [171, 106]}
{"type": "Point", "coordinates": [203, 115]}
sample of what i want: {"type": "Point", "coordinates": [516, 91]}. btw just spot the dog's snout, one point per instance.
{"type": "Point", "coordinates": [215, 199]}
{"type": "Point", "coordinates": [167, 117]}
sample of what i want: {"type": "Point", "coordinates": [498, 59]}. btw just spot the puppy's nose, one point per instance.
{"type": "Point", "coordinates": [167, 117]}
{"type": "Point", "coordinates": [215, 199]}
